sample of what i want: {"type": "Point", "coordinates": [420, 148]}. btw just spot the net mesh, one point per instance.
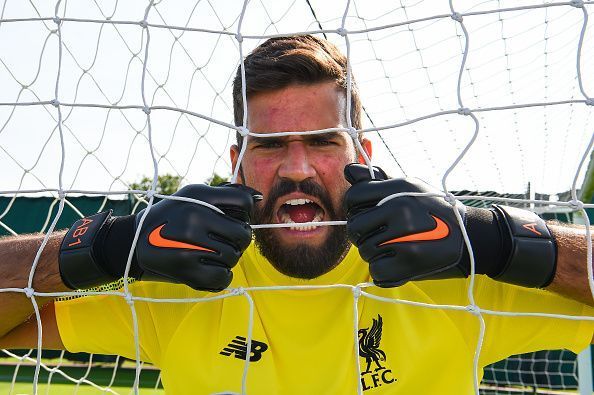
{"type": "Point", "coordinates": [544, 370]}
{"type": "Point", "coordinates": [99, 94]}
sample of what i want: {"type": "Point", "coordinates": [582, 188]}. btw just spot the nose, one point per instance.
{"type": "Point", "coordinates": [296, 164]}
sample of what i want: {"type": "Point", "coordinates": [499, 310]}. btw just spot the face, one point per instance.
{"type": "Point", "coordinates": [301, 177]}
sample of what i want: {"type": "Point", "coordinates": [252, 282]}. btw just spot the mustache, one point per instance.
{"type": "Point", "coordinates": [264, 213]}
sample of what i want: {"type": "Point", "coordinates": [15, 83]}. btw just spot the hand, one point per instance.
{"type": "Point", "coordinates": [406, 238]}
{"type": "Point", "coordinates": [418, 237]}
{"type": "Point", "coordinates": [179, 242]}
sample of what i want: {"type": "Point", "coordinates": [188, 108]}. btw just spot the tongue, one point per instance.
{"type": "Point", "coordinates": [301, 213]}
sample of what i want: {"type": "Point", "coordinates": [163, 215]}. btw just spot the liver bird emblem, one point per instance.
{"type": "Point", "coordinates": [369, 343]}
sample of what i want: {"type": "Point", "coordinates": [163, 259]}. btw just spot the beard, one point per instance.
{"type": "Point", "coordinates": [302, 260]}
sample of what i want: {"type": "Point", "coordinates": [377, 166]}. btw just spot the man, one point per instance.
{"type": "Point", "coordinates": [303, 339]}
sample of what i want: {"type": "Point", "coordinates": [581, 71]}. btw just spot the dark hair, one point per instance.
{"type": "Point", "coordinates": [283, 61]}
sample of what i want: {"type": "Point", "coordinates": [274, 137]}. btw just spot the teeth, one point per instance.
{"type": "Point", "coordinates": [297, 202]}
{"type": "Point", "coordinates": [286, 218]}
{"type": "Point", "coordinates": [303, 228]}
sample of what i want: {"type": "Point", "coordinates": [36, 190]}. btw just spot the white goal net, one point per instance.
{"type": "Point", "coordinates": [491, 101]}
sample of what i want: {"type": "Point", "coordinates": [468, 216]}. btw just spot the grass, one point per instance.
{"type": "Point", "coordinates": [100, 375]}
{"type": "Point", "coordinates": [63, 389]}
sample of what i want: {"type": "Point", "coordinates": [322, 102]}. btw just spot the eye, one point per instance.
{"type": "Point", "coordinates": [268, 144]}
{"type": "Point", "coordinates": [323, 142]}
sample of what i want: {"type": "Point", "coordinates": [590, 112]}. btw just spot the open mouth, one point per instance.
{"type": "Point", "coordinates": [300, 211]}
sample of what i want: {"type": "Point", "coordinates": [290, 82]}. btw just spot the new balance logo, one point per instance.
{"type": "Point", "coordinates": [238, 346]}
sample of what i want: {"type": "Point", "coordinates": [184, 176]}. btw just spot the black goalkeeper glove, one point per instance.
{"type": "Point", "coordinates": [415, 238]}
{"type": "Point", "coordinates": [180, 242]}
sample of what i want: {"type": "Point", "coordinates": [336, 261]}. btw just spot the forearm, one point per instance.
{"type": "Point", "coordinates": [16, 259]}
{"type": "Point", "coordinates": [571, 276]}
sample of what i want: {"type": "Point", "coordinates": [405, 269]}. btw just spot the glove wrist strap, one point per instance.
{"type": "Point", "coordinates": [532, 260]}
{"type": "Point", "coordinates": [80, 267]}
{"type": "Point", "coordinates": [95, 251]}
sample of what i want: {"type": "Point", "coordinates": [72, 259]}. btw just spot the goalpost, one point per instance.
{"type": "Point", "coordinates": [490, 101]}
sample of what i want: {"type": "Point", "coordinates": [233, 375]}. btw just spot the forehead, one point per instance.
{"type": "Point", "coordinates": [297, 108]}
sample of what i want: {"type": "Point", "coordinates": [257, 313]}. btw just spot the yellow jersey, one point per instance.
{"type": "Point", "coordinates": [304, 339]}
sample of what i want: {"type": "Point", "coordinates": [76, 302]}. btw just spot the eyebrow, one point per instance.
{"type": "Point", "coordinates": [327, 135]}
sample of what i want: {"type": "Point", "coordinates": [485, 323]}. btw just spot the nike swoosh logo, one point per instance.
{"type": "Point", "coordinates": [440, 231]}
{"type": "Point", "coordinates": [157, 240]}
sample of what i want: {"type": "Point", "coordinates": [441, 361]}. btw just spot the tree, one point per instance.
{"type": "Point", "coordinates": [218, 180]}
{"type": "Point", "coordinates": [167, 184]}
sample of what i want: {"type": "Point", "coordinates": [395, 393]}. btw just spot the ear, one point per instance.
{"type": "Point", "coordinates": [368, 148]}
{"type": "Point", "coordinates": [234, 155]}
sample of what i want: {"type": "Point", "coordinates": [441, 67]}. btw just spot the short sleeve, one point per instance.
{"type": "Point", "coordinates": [509, 335]}
{"type": "Point", "coordinates": [104, 324]}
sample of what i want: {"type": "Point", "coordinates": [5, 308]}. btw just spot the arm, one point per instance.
{"type": "Point", "coordinates": [18, 328]}
{"type": "Point", "coordinates": [571, 276]}
{"type": "Point", "coordinates": [180, 242]}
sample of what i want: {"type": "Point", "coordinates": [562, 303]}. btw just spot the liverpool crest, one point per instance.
{"type": "Point", "coordinates": [375, 373]}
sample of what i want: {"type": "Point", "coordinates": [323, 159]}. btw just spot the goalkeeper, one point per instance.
{"type": "Point", "coordinates": [302, 340]}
